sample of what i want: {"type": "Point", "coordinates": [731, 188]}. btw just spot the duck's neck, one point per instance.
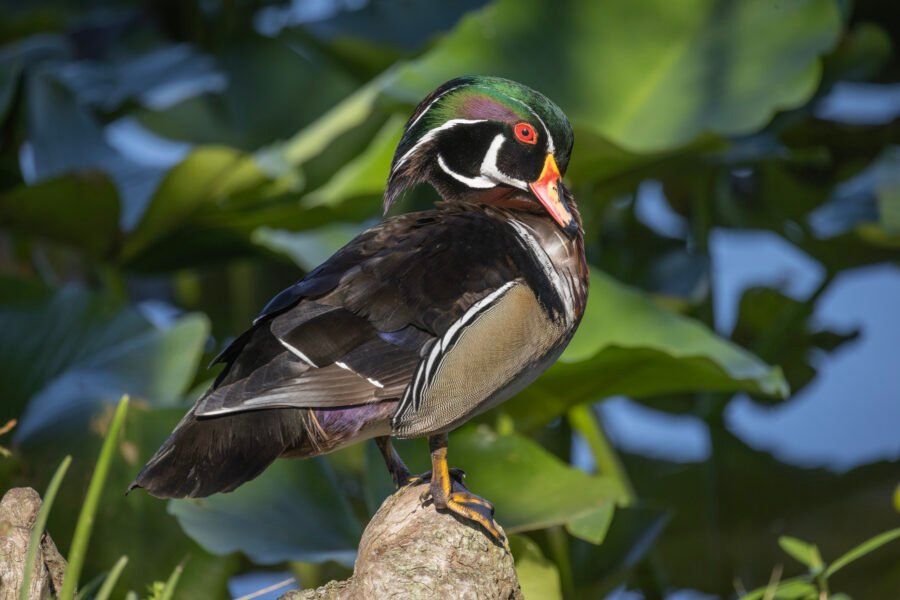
{"type": "Point", "coordinates": [559, 255]}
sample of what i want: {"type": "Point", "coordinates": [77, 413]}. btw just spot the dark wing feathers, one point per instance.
{"type": "Point", "coordinates": [363, 319]}
{"type": "Point", "coordinates": [326, 336]}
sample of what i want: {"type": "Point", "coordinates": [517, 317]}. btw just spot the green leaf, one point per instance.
{"type": "Point", "coordinates": [863, 52]}
{"type": "Point", "coordinates": [862, 550]}
{"type": "Point", "coordinates": [868, 203]}
{"type": "Point", "coordinates": [310, 248]}
{"type": "Point", "coordinates": [305, 517]}
{"type": "Point", "coordinates": [63, 355]}
{"type": "Point", "coordinates": [366, 174]}
{"type": "Point", "coordinates": [298, 85]}
{"type": "Point", "coordinates": [206, 178]}
{"type": "Point", "coordinates": [804, 552]}
{"type": "Point", "coordinates": [538, 577]}
{"type": "Point", "coordinates": [789, 589]}
{"type": "Point", "coordinates": [701, 65]}
{"type": "Point", "coordinates": [10, 72]}
{"type": "Point", "coordinates": [65, 137]}
{"type": "Point", "coordinates": [627, 344]}
{"type": "Point", "coordinates": [783, 330]}
{"type": "Point", "coordinates": [108, 84]}
{"type": "Point", "coordinates": [405, 25]}
{"type": "Point", "coordinates": [592, 527]}
{"type": "Point", "coordinates": [530, 488]}
{"type": "Point", "coordinates": [887, 190]}
{"type": "Point", "coordinates": [81, 210]}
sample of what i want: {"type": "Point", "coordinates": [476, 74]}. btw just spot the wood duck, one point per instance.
{"type": "Point", "coordinates": [417, 325]}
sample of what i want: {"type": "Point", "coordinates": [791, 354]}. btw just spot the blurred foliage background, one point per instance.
{"type": "Point", "coordinates": [166, 166]}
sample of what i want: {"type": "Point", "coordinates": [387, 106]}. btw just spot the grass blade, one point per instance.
{"type": "Point", "coordinates": [34, 542]}
{"type": "Point", "coordinates": [802, 551]}
{"type": "Point", "coordinates": [861, 550]}
{"type": "Point", "coordinates": [169, 590]}
{"type": "Point", "coordinates": [92, 500]}
{"type": "Point", "coordinates": [87, 590]}
{"type": "Point", "coordinates": [110, 582]}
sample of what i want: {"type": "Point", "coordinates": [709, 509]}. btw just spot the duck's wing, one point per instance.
{"type": "Point", "coordinates": [360, 327]}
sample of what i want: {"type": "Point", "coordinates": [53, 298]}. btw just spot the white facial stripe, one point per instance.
{"type": "Point", "coordinates": [430, 135]}
{"type": "Point", "coordinates": [432, 103]}
{"type": "Point", "coordinates": [473, 182]}
{"type": "Point", "coordinates": [489, 169]}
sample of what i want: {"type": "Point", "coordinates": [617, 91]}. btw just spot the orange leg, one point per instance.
{"type": "Point", "coordinates": [459, 501]}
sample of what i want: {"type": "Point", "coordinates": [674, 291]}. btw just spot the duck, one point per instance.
{"type": "Point", "coordinates": [417, 325]}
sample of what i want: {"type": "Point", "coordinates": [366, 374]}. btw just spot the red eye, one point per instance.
{"type": "Point", "coordinates": [525, 133]}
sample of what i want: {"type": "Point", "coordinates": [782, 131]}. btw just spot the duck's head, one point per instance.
{"type": "Point", "coordinates": [475, 135]}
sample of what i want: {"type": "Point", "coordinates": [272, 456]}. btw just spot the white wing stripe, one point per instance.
{"type": "Point", "coordinates": [296, 352]}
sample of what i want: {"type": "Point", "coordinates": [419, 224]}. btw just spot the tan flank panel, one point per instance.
{"type": "Point", "coordinates": [489, 353]}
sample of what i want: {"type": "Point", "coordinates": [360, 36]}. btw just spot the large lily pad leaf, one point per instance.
{"type": "Point", "coordinates": [293, 511]}
{"type": "Point", "coordinates": [796, 344]}
{"type": "Point", "coordinates": [64, 137]}
{"type": "Point", "coordinates": [661, 94]}
{"type": "Point", "coordinates": [530, 487]}
{"type": "Point", "coordinates": [308, 249]}
{"type": "Point", "coordinates": [538, 576]}
{"type": "Point", "coordinates": [298, 85]}
{"type": "Point", "coordinates": [100, 351]}
{"type": "Point", "coordinates": [367, 173]}
{"type": "Point", "coordinates": [647, 75]}
{"type": "Point", "coordinates": [405, 25]}
{"type": "Point", "coordinates": [153, 77]}
{"type": "Point", "coordinates": [868, 202]}
{"type": "Point", "coordinates": [203, 179]}
{"type": "Point", "coordinates": [78, 210]}
{"type": "Point", "coordinates": [627, 344]}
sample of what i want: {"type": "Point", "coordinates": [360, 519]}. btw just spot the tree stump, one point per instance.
{"type": "Point", "coordinates": [18, 512]}
{"type": "Point", "coordinates": [413, 551]}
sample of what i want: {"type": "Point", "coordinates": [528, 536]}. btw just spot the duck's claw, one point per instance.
{"type": "Point", "coordinates": [448, 492]}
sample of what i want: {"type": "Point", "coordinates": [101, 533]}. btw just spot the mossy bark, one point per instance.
{"type": "Point", "coordinates": [410, 550]}
{"type": "Point", "coordinates": [18, 511]}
